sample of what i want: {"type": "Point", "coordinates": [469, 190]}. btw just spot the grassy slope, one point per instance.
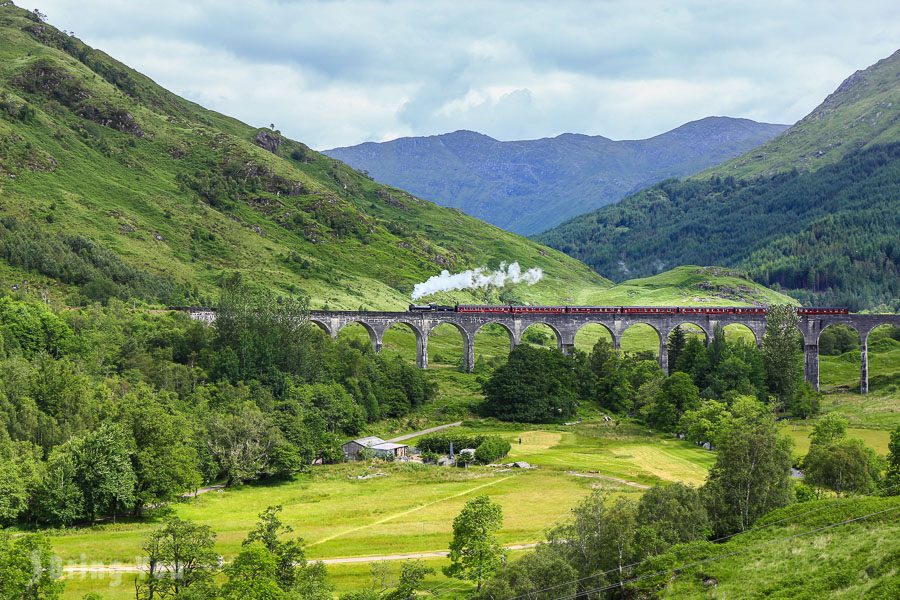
{"type": "Point", "coordinates": [657, 225]}
{"type": "Point", "coordinates": [363, 243]}
{"type": "Point", "coordinates": [855, 560]}
{"type": "Point", "coordinates": [121, 191]}
{"type": "Point", "coordinates": [860, 113]}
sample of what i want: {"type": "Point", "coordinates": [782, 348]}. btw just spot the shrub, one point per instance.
{"type": "Point", "coordinates": [492, 448]}
{"type": "Point", "coordinates": [440, 442]}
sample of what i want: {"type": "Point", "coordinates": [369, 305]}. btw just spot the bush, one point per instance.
{"type": "Point", "coordinates": [492, 448]}
{"type": "Point", "coordinates": [488, 448]}
{"type": "Point", "coordinates": [429, 457]}
{"type": "Point", "coordinates": [440, 442]}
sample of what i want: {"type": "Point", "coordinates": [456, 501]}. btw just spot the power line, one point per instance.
{"type": "Point", "coordinates": [721, 556]}
{"type": "Point", "coordinates": [634, 564]}
{"type": "Point", "coordinates": [719, 539]}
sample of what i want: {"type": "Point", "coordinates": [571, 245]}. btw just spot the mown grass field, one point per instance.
{"type": "Point", "coordinates": [411, 507]}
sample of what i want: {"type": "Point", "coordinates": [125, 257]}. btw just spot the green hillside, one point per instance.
{"type": "Point", "coordinates": [861, 113]}
{"type": "Point", "coordinates": [115, 186]}
{"type": "Point", "coordinates": [835, 548]}
{"type": "Point", "coordinates": [815, 211]}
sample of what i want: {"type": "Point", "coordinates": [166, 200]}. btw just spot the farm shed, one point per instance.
{"type": "Point", "coordinates": [380, 447]}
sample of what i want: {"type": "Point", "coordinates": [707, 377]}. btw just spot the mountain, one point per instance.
{"type": "Point", "coordinates": [112, 186]}
{"type": "Point", "coordinates": [816, 211]}
{"type": "Point", "coordinates": [529, 186]}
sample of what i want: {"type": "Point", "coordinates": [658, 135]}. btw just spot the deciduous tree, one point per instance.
{"type": "Point", "coordinates": [668, 515]}
{"type": "Point", "coordinates": [676, 395]}
{"type": "Point", "coordinates": [751, 476]}
{"type": "Point", "coordinates": [103, 470]}
{"type": "Point", "coordinates": [781, 346]}
{"type": "Point", "coordinates": [845, 466]}
{"type": "Point", "coordinates": [892, 474]}
{"type": "Point", "coordinates": [828, 429]}
{"type": "Point", "coordinates": [179, 555]}
{"type": "Point", "coordinates": [534, 386]}
{"type": "Point", "coordinates": [475, 553]}
{"type": "Point", "coordinates": [27, 569]}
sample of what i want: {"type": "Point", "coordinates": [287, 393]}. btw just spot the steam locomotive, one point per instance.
{"type": "Point", "coordinates": [616, 310]}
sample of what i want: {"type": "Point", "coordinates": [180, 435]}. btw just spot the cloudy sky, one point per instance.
{"type": "Point", "coordinates": [333, 73]}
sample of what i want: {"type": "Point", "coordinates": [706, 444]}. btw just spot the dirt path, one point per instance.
{"type": "Point", "coordinates": [609, 478]}
{"type": "Point", "coordinates": [409, 436]}
{"type": "Point", "coordinates": [205, 490]}
{"type": "Point", "coordinates": [123, 568]}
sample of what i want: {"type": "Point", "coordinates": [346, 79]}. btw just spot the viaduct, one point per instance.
{"type": "Point", "coordinates": [566, 325]}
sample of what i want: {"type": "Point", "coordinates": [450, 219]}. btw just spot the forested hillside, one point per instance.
{"type": "Point", "coordinates": [814, 211]}
{"type": "Point", "coordinates": [111, 186]}
{"type": "Point", "coordinates": [826, 237]}
{"type": "Point", "coordinates": [528, 186]}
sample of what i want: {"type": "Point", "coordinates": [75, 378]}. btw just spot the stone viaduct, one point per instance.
{"type": "Point", "coordinates": [566, 325]}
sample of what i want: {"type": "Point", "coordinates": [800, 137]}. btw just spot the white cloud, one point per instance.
{"type": "Point", "coordinates": [339, 73]}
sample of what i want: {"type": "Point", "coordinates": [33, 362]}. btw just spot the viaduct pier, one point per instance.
{"type": "Point", "coordinates": [566, 325]}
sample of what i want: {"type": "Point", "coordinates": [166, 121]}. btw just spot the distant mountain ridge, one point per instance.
{"type": "Point", "coordinates": [528, 186]}
{"type": "Point", "coordinates": [816, 211]}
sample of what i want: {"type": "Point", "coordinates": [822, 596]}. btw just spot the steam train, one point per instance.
{"type": "Point", "coordinates": [616, 310]}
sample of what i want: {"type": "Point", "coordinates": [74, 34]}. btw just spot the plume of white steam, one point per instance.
{"type": "Point", "coordinates": [477, 278]}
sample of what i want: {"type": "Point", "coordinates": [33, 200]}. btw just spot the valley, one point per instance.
{"type": "Point", "coordinates": [409, 510]}
{"type": "Point", "coordinates": [710, 463]}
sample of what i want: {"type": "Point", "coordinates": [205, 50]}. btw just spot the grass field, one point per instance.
{"type": "Point", "coordinates": [877, 439]}
{"type": "Point", "coordinates": [411, 508]}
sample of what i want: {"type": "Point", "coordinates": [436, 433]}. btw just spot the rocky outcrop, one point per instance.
{"type": "Point", "coordinates": [268, 140]}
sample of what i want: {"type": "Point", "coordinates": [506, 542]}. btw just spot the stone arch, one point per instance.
{"type": "Point", "coordinates": [668, 347]}
{"type": "Point", "coordinates": [374, 337]}
{"type": "Point", "coordinates": [864, 350]}
{"type": "Point", "coordinates": [706, 334]}
{"type": "Point", "coordinates": [512, 336]}
{"type": "Point", "coordinates": [612, 336]}
{"type": "Point", "coordinates": [859, 337]}
{"type": "Point", "coordinates": [875, 326]}
{"type": "Point", "coordinates": [323, 326]}
{"type": "Point", "coordinates": [555, 330]}
{"type": "Point", "coordinates": [464, 336]}
{"type": "Point", "coordinates": [421, 340]}
{"type": "Point", "coordinates": [832, 343]}
{"type": "Point", "coordinates": [662, 352]}
{"type": "Point", "coordinates": [631, 324]}
{"type": "Point", "coordinates": [739, 331]}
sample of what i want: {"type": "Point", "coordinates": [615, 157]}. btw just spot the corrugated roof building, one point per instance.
{"type": "Point", "coordinates": [380, 447]}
